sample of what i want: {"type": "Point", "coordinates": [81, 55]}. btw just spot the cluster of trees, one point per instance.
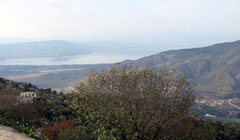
{"type": "Point", "coordinates": [121, 103]}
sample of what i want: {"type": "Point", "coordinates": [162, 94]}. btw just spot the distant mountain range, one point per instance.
{"type": "Point", "coordinates": [8, 40]}
{"type": "Point", "coordinates": [41, 49]}
{"type": "Point", "coordinates": [214, 68]}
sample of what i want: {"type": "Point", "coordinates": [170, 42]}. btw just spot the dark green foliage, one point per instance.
{"type": "Point", "coordinates": [79, 133]}
{"type": "Point", "coordinates": [226, 131]}
{"type": "Point", "coordinates": [16, 86]}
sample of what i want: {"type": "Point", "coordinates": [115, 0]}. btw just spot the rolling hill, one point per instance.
{"type": "Point", "coordinates": [41, 49]}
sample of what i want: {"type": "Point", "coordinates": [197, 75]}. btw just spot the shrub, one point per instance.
{"type": "Point", "coordinates": [7, 101]}
{"type": "Point", "coordinates": [52, 132]}
{"type": "Point", "coordinates": [26, 128]}
{"type": "Point", "coordinates": [79, 133]}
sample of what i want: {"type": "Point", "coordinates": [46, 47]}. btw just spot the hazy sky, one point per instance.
{"type": "Point", "coordinates": [182, 23]}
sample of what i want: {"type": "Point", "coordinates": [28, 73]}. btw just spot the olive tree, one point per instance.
{"type": "Point", "coordinates": [126, 102]}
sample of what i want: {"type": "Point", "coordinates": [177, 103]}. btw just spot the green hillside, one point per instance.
{"type": "Point", "coordinates": [6, 85]}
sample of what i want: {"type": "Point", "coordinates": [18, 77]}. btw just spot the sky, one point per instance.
{"type": "Point", "coordinates": [172, 24]}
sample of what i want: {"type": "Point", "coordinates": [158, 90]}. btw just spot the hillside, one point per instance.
{"type": "Point", "coordinates": [215, 68]}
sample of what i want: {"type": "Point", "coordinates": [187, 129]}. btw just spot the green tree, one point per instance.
{"type": "Point", "coordinates": [136, 103]}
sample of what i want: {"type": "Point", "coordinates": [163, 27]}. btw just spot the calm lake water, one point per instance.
{"type": "Point", "coordinates": [78, 59]}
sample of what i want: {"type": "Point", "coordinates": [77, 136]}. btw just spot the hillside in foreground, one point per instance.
{"type": "Point", "coordinates": [120, 99]}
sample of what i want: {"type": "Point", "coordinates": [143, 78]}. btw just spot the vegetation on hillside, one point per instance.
{"type": "Point", "coordinates": [47, 108]}
{"type": "Point", "coordinates": [124, 102]}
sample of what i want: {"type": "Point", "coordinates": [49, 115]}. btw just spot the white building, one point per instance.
{"type": "Point", "coordinates": [27, 97]}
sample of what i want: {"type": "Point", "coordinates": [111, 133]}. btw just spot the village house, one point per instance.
{"type": "Point", "coordinates": [27, 97]}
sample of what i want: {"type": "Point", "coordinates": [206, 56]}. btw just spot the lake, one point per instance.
{"type": "Point", "coordinates": [92, 58]}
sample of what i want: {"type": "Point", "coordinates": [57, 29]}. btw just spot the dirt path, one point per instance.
{"type": "Point", "coordinates": [229, 102]}
{"type": "Point", "coordinates": [7, 133]}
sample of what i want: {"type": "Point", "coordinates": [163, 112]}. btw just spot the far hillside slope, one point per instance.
{"type": "Point", "coordinates": [215, 68]}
